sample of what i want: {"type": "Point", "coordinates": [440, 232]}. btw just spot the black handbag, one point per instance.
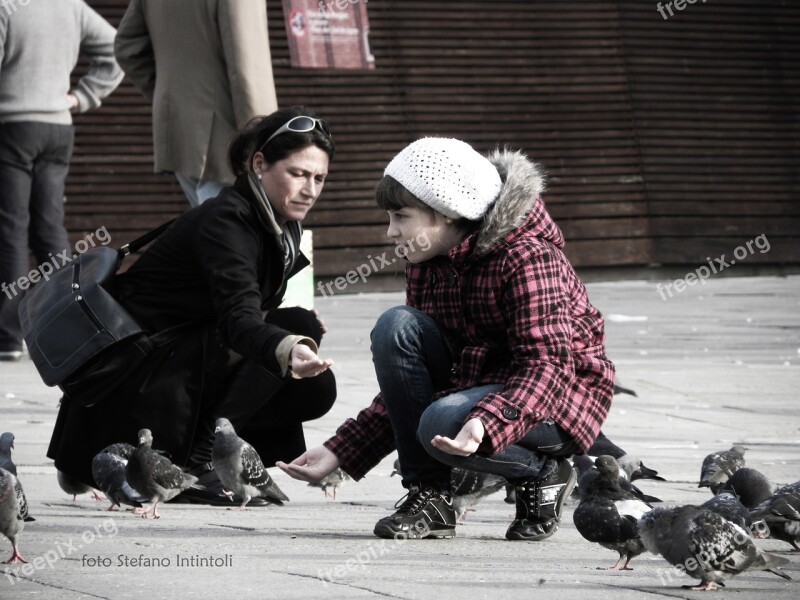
{"type": "Point", "coordinates": [71, 322]}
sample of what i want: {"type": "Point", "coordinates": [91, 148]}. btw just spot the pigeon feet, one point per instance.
{"type": "Point", "coordinates": [16, 557]}
{"type": "Point", "coordinates": [708, 586]}
{"type": "Point", "coordinates": [97, 496]}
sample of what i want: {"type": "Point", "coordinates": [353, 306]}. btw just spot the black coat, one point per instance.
{"type": "Point", "coordinates": [213, 274]}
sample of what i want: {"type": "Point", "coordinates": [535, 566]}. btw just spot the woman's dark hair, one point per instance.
{"type": "Point", "coordinates": [250, 139]}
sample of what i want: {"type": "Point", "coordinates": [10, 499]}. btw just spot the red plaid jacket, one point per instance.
{"type": "Point", "coordinates": [516, 315]}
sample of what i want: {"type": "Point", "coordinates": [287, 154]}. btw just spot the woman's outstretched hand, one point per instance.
{"type": "Point", "coordinates": [466, 442]}
{"type": "Point", "coordinates": [312, 465]}
{"type": "Point", "coordinates": [306, 363]}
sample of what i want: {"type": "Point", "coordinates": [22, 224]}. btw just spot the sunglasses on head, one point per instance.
{"type": "Point", "coordinates": [301, 124]}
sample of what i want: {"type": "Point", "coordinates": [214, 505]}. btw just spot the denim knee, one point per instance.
{"type": "Point", "coordinates": [394, 328]}
{"type": "Point", "coordinates": [438, 419]}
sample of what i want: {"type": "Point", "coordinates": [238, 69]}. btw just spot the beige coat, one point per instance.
{"type": "Point", "coordinates": [206, 67]}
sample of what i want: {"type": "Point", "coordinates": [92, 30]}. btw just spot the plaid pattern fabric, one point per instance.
{"type": "Point", "coordinates": [519, 316]}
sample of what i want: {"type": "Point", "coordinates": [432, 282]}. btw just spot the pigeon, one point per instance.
{"type": "Point", "coordinates": [108, 470]}
{"type": "Point", "coordinates": [603, 446]}
{"type": "Point", "coordinates": [730, 508]}
{"type": "Point", "coordinates": [704, 545]}
{"type": "Point", "coordinates": [633, 469]}
{"type": "Point", "coordinates": [781, 514]}
{"type": "Point", "coordinates": [72, 486]}
{"type": "Point", "coordinates": [719, 466]}
{"type": "Point", "coordinates": [587, 472]}
{"type": "Point", "coordinates": [750, 485]}
{"type": "Point", "coordinates": [469, 487]}
{"type": "Point", "coordinates": [240, 469]}
{"type": "Point", "coordinates": [13, 512]}
{"type": "Point", "coordinates": [333, 480]}
{"type": "Point", "coordinates": [621, 389]}
{"type": "Point", "coordinates": [608, 515]}
{"type": "Point", "coordinates": [6, 444]}
{"type": "Point", "coordinates": [396, 468]}
{"type": "Point", "coordinates": [154, 476]}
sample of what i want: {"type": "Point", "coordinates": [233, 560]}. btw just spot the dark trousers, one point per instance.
{"type": "Point", "coordinates": [262, 404]}
{"type": "Point", "coordinates": [34, 159]}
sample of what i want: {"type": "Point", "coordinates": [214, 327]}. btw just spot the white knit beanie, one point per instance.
{"type": "Point", "coordinates": [448, 175]}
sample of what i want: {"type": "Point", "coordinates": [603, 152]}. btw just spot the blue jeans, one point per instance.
{"type": "Point", "coordinates": [34, 160]}
{"type": "Point", "coordinates": [412, 363]}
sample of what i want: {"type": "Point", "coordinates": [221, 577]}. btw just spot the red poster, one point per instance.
{"type": "Point", "coordinates": [328, 34]}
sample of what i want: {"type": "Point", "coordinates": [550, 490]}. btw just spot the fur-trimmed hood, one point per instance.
{"type": "Point", "coordinates": [518, 209]}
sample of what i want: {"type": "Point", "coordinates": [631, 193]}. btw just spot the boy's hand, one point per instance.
{"type": "Point", "coordinates": [466, 442]}
{"type": "Point", "coordinates": [312, 465]}
{"type": "Point", "coordinates": [306, 363]}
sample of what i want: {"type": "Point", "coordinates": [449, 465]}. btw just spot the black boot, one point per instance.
{"type": "Point", "coordinates": [539, 502]}
{"type": "Point", "coordinates": [426, 512]}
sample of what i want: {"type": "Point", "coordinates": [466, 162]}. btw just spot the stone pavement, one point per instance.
{"type": "Point", "coordinates": [713, 365]}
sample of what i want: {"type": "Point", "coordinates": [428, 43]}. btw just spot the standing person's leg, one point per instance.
{"type": "Point", "coordinates": [412, 362]}
{"type": "Point", "coordinates": [17, 149]}
{"type": "Point", "coordinates": [47, 232]}
{"type": "Point", "coordinates": [536, 464]}
{"type": "Point", "coordinates": [198, 191]}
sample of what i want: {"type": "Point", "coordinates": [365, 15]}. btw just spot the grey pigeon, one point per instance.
{"type": "Point", "coordinates": [603, 446]}
{"type": "Point", "coordinates": [240, 469]}
{"type": "Point", "coordinates": [108, 470]}
{"type": "Point", "coordinates": [730, 508]}
{"type": "Point", "coordinates": [13, 512]}
{"type": "Point", "coordinates": [587, 472]}
{"type": "Point", "coordinates": [608, 515]}
{"type": "Point", "coordinates": [154, 476]}
{"type": "Point", "coordinates": [72, 486]}
{"type": "Point", "coordinates": [750, 485]}
{"type": "Point", "coordinates": [469, 487]}
{"type": "Point", "coordinates": [781, 514]}
{"type": "Point", "coordinates": [719, 466]}
{"type": "Point", "coordinates": [6, 445]}
{"type": "Point", "coordinates": [333, 481]}
{"type": "Point", "coordinates": [704, 545]}
{"type": "Point", "coordinates": [396, 468]}
{"type": "Point", "coordinates": [621, 389]}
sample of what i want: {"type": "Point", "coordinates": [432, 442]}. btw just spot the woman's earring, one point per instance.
{"type": "Point", "coordinates": [259, 176]}
{"type": "Point", "coordinates": [449, 221]}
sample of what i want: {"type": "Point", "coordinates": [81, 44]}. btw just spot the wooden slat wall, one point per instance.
{"type": "Point", "coordinates": [664, 141]}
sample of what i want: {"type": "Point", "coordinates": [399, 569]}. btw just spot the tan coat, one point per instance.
{"type": "Point", "coordinates": [206, 67]}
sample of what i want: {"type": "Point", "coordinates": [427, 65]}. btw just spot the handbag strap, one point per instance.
{"type": "Point", "coordinates": [142, 241]}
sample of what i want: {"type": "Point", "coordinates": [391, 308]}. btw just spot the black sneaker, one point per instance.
{"type": "Point", "coordinates": [425, 513]}
{"type": "Point", "coordinates": [539, 502]}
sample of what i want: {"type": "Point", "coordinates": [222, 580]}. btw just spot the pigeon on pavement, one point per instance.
{"type": "Point", "coordinates": [6, 444]}
{"type": "Point", "coordinates": [469, 487]}
{"type": "Point", "coordinates": [603, 446]}
{"type": "Point", "coordinates": [332, 481]}
{"type": "Point", "coordinates": [588, 472]}
{"type": "Point", "coordinates": [396, 468]}
{"type": "Point", "coordinates": [240, 468]}
{"type": "Point", "coordinates": [781, 514]}
{"type": "Point", "coordinates": [154, 476]}
{"type": "Point", "coordinates": [729, 507]}
{"type": "Point", "coordinates": [608, 515]}
{"type": "Point", "coordinates": [750, 485]}
{"type": "Point", "coordinates": [13, 512]}
{"type": "Point", "coordinates": [704, 545]}
{"type": "Point", "coordinates": [72, 486]}
{"type": "Point", "coordinates": [108, 470]}
{"type": "Point", "coordinates": [621, 389]}
{"type": "Point", "coordinates": [719, 466]}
